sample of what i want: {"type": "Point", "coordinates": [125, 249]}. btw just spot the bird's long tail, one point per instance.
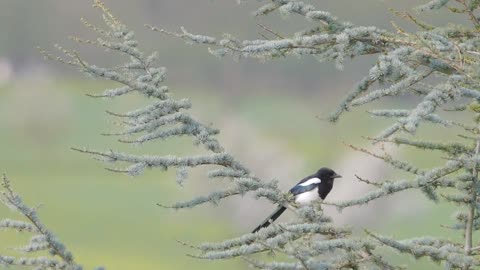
{"type": "Point", "coordinates": [270, 219]}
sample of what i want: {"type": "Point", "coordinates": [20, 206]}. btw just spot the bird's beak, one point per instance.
{"type": "Point", "coordinates": [337, 176]}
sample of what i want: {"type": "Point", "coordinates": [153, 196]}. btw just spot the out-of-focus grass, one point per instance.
{"type": "Point", "coordinates": [111, 219]}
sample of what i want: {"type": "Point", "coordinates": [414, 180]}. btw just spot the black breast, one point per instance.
{"type": "Point", "coordinates": [324, 188]}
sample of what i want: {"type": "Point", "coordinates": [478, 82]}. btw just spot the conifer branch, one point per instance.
{"type": "Point", "coordinates": [413, 57]}
{"type": "Point", "coordinates": [434, 249]}
{"type": "Point", "coordinates": [434, 178]}
{"type": "Point", "coordinates": [43, 239]}
{"type": "Point", "coordinates": [164, 118]}
{"type": "Point", "coordinates": [453, 149]}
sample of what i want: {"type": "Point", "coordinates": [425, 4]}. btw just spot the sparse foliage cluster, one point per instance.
{"type": "Point", "coordinates": [439, 64]}
{"type": "Point", "coordinates": [43, 240]}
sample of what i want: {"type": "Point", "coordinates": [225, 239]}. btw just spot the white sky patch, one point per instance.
{"type": "Point", "coordinates": [311, 181]}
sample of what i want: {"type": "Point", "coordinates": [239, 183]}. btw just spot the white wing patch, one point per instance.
{"type": "Point", "coordinates": [307, 197]}
{"type": "Point", "coordinates": [311, 181]}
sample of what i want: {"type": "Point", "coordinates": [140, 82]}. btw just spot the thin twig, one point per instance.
{"type": "Point", "coordinates": [367, 181]}
{"type": "Point", "coordinates": [470, 13]}
{"type": "Point", "coordinates": [270, 31]}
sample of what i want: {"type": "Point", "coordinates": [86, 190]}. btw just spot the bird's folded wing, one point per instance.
{"type": "Point", "coordinates": [299, 189]}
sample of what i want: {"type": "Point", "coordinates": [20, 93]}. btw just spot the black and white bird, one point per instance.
{"type": "Point", "coordinates": [309, 189]}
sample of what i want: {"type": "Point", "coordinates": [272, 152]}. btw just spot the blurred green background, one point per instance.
{"type": "Point", "coordinates": [267, 113]}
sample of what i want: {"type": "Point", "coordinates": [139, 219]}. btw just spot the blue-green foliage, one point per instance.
{"type": "Point", "coordinates": [32, 254]}
{"type": "Point", "coordinates": [440, 65]}
{"type": "Point", "coordinates": [164, 118]}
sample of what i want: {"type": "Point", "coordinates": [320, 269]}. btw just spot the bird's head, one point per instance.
{"type": "Point", "coordinates": [327, 174]}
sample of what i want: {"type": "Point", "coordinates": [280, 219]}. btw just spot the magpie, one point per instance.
{"type": "Point", "coordinates": [309, 189]}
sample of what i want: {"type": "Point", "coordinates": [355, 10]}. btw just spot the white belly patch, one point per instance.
{"type": "Point", "coordinates": [307, 197]}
